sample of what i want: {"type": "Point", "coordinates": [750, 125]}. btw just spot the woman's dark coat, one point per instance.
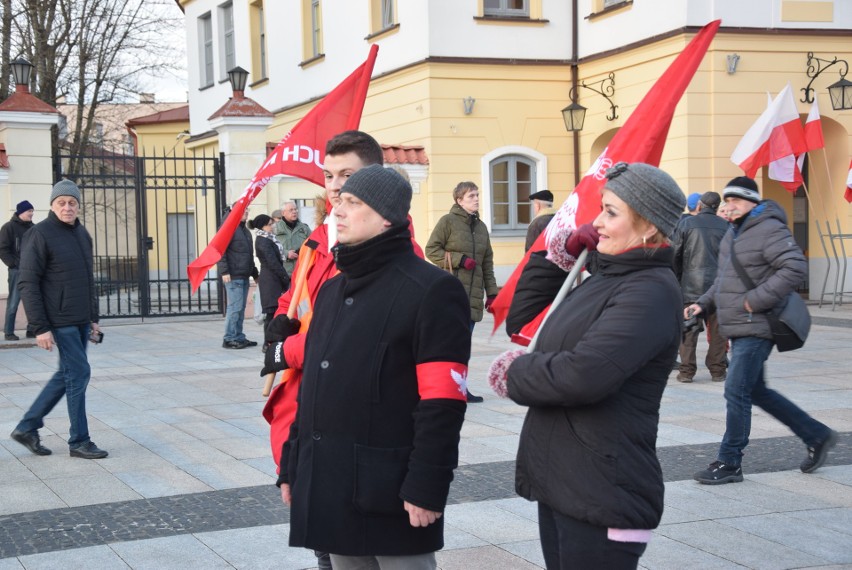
{"type": "Point", "coordinates": [364, 440]}
{"type": "Point", "coordinates": [273, 278]}
{"type": "Point", "coordinates": [593, 386]}
{"type": "Point", "coordinates": [461, 234]}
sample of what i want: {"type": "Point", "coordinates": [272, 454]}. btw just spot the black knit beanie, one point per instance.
{"type": "Point", "coordinates": [383, 190]}
{"type": "Point", "coordinates": [742, 187]}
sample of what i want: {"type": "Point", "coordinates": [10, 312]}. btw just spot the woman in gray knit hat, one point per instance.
{"type": "Point", "coordinates": [594, 381]}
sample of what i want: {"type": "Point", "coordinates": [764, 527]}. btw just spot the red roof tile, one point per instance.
{"type": "Point", "coordinates": [242, 107]}
{"type": "Point", "coordinates": [397, 154]}
{"type": "Point", "coordinates": [26, 103]}
{"type": "Point", "coordinates": [176, 115]}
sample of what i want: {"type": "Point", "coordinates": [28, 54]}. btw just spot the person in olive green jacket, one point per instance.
{"type": "Point", "coordinates": [291, 234]}
{"type": "Point", "coordinates": [460, 244]}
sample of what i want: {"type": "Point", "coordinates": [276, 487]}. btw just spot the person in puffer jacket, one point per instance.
{"type": "Point", "coordinates": [767, 252]}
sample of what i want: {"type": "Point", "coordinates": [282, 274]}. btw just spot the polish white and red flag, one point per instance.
{"type": "Point", "coordinates": [848, 193]}
{"type": "Point", "coordinates": [788, 169]}
{"type": "Point", "coordinates": [300, 153]}
{"type": "Point", "coordinates": [777, 133]}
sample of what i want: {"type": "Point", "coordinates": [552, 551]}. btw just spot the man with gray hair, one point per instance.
{"type": "Point", "coordinates": [291, 233]}
{"type": "Point", "coordinates": [57, 286]}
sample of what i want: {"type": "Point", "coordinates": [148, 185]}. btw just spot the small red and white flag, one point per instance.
{"type": "Point", "coordinates": [300, 153]}
{"type": "Point", "coordinates": [788, 169]}
{"type": "Point", "coordinates": [777, 133]}
{"type": "Point", "coordinates": [848, 193]}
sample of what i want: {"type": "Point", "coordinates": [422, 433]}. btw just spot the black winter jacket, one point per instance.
{"type": "Point", "coordinates": [365, 439]}
{"type": "Point", "coordinates": [56, 279]}
{"type": "Point", "coordinates": [696, 252]}
{"type": "Point", "coordinates": [238, 259]}
{"type": "Point", "coordinates": [11, 235]}
{"type": "Point", "coordinates": [593, 386]}
{"type": "Point", "coordinates": [273, 278]}
{"type": "Point", "coordinates": [770, 256]}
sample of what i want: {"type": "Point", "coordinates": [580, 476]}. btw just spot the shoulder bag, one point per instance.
{"type": "Point", "coordinates": [789, 321]}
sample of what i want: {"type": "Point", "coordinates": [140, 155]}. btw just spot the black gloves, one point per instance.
{"type": "Point", "coordinates": [274, 360]}
{"type": "Point", "coordinates": [281, 327]}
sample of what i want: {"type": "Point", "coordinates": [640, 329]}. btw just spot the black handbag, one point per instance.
{"type": "Point", "coordinates": [789, 321]}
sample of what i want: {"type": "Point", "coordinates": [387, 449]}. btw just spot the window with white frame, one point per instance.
{"type": "Point", "coordinates": [514, 8]}
{"type": "Point", "coordinates": [512, 179]}
{"type": "Point", "coordinates": [205, 39]}
{"type": "Point", "coordinates": [316, 28]}
{"type": "Point", "coordinates": [388, 16]}
{"type": "Point", "coordinates": [229, 55]}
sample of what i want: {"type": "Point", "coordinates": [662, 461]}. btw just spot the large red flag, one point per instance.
{"type": "Point", "coordinates": [300, 153]}
{"type": "Point", "coordinates": [641, 139]}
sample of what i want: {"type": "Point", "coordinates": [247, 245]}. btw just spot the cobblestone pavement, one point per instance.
{"type": "Point", "coordinates": [188, 483]}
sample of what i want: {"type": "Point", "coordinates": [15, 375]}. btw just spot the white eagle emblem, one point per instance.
{"type": "Point", "coordinates": [460, 380]}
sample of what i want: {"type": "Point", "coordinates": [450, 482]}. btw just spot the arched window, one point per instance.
{"type": "Point", "coordinates": [512, 182]}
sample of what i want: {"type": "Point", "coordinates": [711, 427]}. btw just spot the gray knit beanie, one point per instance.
{"type": "Point", "coordinates": [651, 193]}
{"type": "Point", "coordinates": [65, 188]}
{"type": "Point", "coordinates": [383, 190]}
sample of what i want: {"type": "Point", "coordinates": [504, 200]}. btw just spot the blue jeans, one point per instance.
{"type": "Point", "coordinates": [12, 302]}
{"type": "Point", "coordinates": [746, 386]}
{"type": "Point", "coordinates": [237, 290]}
{"type": "Point", "coordinates": [70, 381]}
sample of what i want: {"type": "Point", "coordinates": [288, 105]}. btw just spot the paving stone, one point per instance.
{"type": "Point", "coordinates": [258, 548]}
{"type": "Point", "coordinates": [172, 552]}
{"type": "Point", "coordinates": [94, 557]}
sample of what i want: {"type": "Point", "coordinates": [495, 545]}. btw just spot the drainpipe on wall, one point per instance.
{"type": "Point", "coordinates": [574, 73]}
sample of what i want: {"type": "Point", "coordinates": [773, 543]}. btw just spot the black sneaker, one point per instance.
{"type": "Point", "coordinates": [248, 342]}
{"type": "Point", "coordinates": [818, 453]}
{"type": "Point", "coordinates": [471, 399]}
{"type": "Point", "coordinates": [88, 451]}
{"type": "Point", "coordinates": [718, 473]}
{"type": "Point", "coordinates": [31, 334]}
{"type": "Point", "coordinates": [12, 336]}
{"type": "Point", "coordinates": [31, 441]}
{"type": "Point", "coordinates": [231, 344]}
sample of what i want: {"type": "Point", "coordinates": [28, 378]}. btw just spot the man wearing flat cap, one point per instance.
{"type": "Point", "coordinates": [367, 468]}
{"type": "Point", "coordinates": [696, 258]}
{"type": "Point", "coordinates": [542, 203]}
{"type": "Point", "coordinates": [57, 286]}
{"type": "Point", "coordinates": [11, 236]}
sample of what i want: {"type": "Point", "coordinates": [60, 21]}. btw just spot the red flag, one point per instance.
{"type": "Point", "coordinates": [776, 133]}
{"type": "Point", "coordinates": [300, 153]}
{"type": "Point", "coordinates": [641, 139]}
{"type": "Point", "coordinates": [848, 193]}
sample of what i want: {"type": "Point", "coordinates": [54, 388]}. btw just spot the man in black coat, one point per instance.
{"type": "Point", "coordinates": [371, 454]}
{"type": "Point", "coordinates": [11, 235]}
{"type": "Point", "coordinates": [57, 286]}
{"type": "Point", "coordinates": [235, 267]}
{"type": "Point", "coordinates": [696, 253]}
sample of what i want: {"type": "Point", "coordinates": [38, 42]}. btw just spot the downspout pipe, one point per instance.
{"type": "Point", "coordinates": [574, 72]}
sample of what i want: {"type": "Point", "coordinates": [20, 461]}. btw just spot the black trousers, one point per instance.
{"type": "Point", "coordinates": [568, 544]}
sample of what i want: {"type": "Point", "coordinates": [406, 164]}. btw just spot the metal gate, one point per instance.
{"type": "Point", "coordinates": [148, 217]}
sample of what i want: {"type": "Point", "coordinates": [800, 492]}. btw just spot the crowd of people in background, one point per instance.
{"type": "Point", "coordinates": [374, 341]}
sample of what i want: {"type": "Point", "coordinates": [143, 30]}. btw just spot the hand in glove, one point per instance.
{"type": "Point", "coordinates": [489, 300]}
{"type": "Point", "coordinates": [499, 370]}
{"type": "Point", "coordinates": [274, 360]}
{"type": "Point", "coordinates": [584, 237]}
{"type": "Point", "coordinates": [467, 262]}
{"type": "Point", "coordinates": [282, 327]}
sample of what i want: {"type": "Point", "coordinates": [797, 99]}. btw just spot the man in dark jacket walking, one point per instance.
{"type": "Point", "coordinates": [696, 258]}
{"type": "Point", "coordinates": [57, 286]}
{"type": "Point", "coordinates": [371, 454]}
{"type": "Point", "coordinates": [235, 267]}
{"type": "Point", "coordinates": [764, 247]}
{"type": "Point", "coordinates": [11, 235]}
